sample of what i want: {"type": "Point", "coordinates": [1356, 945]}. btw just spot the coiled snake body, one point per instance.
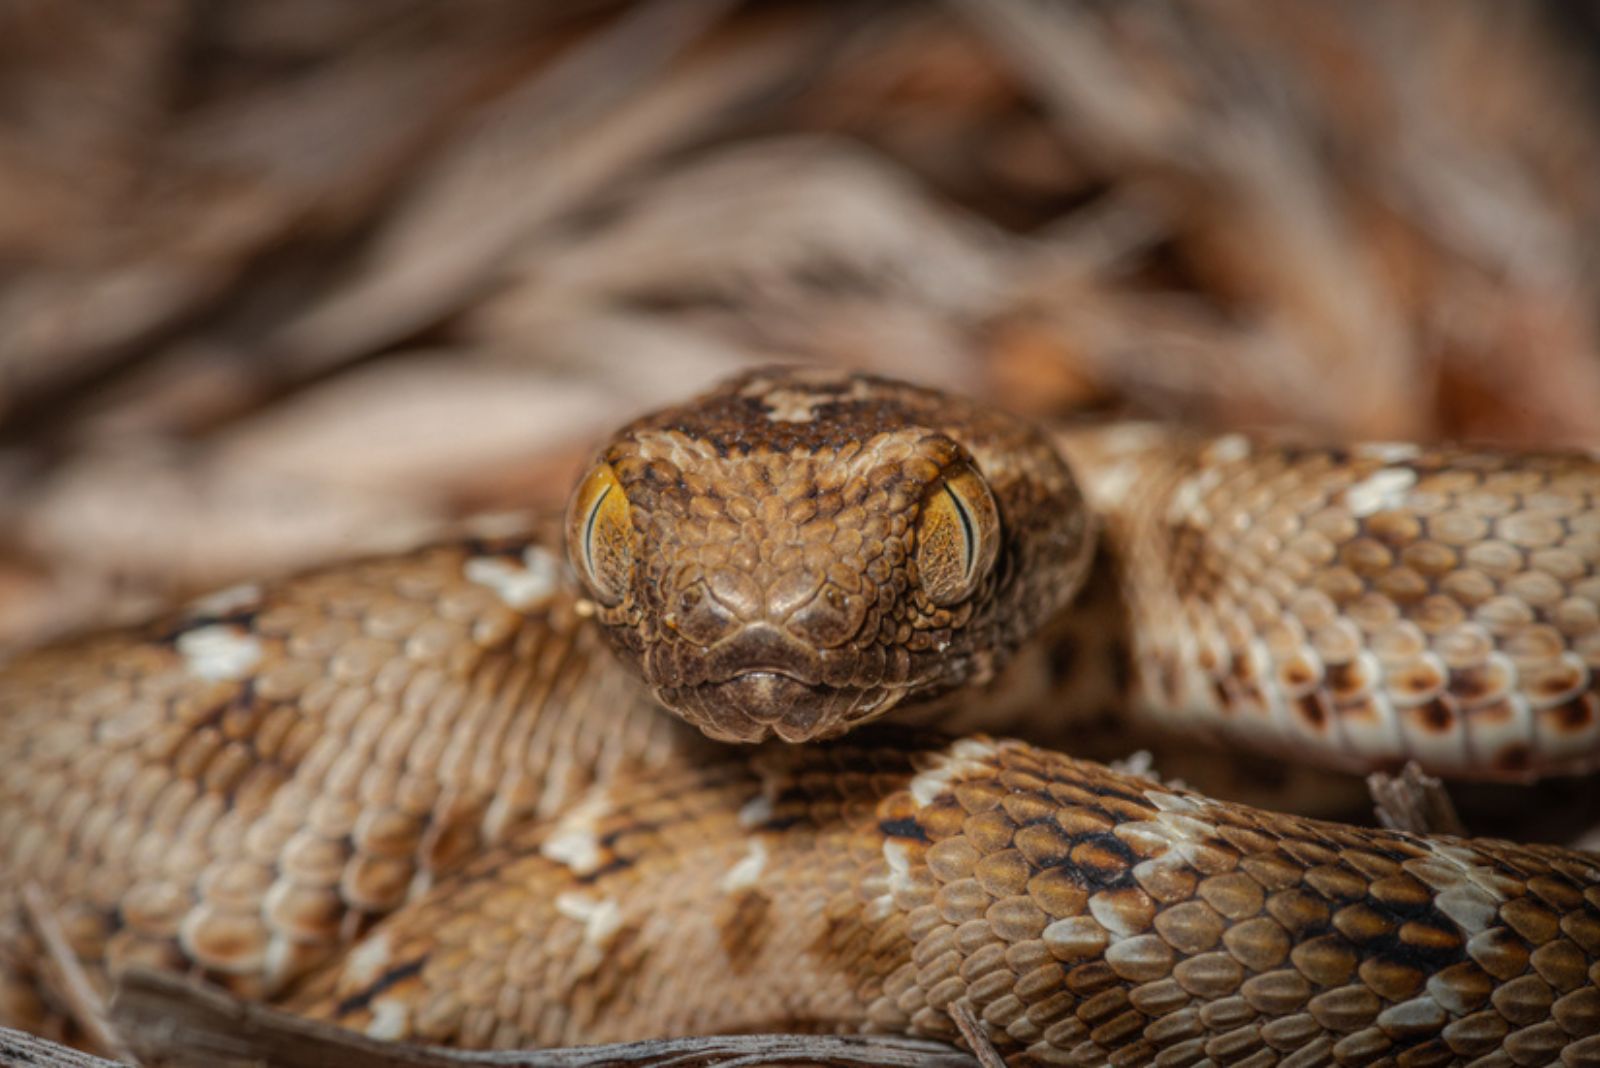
{"type": "Point", "coordinates": [419, 796]}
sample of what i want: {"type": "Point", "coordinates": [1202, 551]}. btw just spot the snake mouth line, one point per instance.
{"type": "Point", "coordinates": [769, 673]}
{"type": "Point", "coordinates": [756, 703]}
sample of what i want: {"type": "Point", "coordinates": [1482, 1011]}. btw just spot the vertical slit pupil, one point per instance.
{"type": "Point", "coordinates": [588, 533]}
{"type": "Point", "coordinates": [966, 527]}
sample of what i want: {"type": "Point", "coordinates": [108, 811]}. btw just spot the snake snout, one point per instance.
{"type": "Point", "coordinates": [761, 681]}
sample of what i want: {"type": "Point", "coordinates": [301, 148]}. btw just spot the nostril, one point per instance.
{"type": "Point", "coordinates": [698, 617]}
{"type": "Point", "coordinates": [829, 619]}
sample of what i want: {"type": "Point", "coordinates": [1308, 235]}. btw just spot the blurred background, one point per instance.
{"type": "Point", "coordinates": [287, 281]}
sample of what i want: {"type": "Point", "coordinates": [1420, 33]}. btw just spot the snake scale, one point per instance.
{"type": "Point", "coordinates": [436, 796]}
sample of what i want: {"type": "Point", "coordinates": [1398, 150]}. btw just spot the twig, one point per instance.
{"type": "Point", "coordinates": [1412, 801]}
{"type": "Point", "coordinates": [617, 100]}
{"type": "Point", "coordinates": [83, 1000]}
{"type": "Point", "coordinates": [21, 1048]}
{"type": "Point", "coordinates": [178, 1024]}
{"type": "Point", "coordinates": [977, 1038]}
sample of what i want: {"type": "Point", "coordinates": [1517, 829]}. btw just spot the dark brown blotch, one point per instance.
{"type": "Point", "coordinates": [1104, 861]}
{"type": "Point", "coordinates": [903, 827]}
{"type": "Point", "coordinates": [1513, 758]}
{"type": "Point", "coordinates": [1315, 708]}
{"type": "Point", "coordinates": [1436, 716]}
{"type": "Point", "coordinates": [616, 979]}
{"type": "Point", "coordinates": [1576, 714]}
{"type": "Point", "coordinates": [1470, 683]}
{"type": "Point", "coordinates": [744, 925]}
{"type": "Point", "coordinates": [392, 977]}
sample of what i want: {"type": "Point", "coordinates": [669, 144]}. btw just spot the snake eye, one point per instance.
{"type": "Point", "coordinates": [958, 536]}
{"type": "Point", "coordinates": [600, 535]}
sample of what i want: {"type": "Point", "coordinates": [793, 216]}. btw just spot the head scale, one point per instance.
{"type": "Point", "coordinates": [801, 550]}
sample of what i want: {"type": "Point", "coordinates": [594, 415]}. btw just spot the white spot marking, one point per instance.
{"type": "Point", "coordinates": [1170, 861]}
{"type": "Point", "coordinates": [600, 919]}
{"type": "Point", "coordinates": [1075, 936]}
{"type": "Point", "coordinates": [879, 909]}
{"type": "Point", "coordinates": [1185, 502]}
{"type": "Point", "coordinates": [896, 856]}
{"type": "Point", "coordinates": [1477, 873]}
{"type": "Point", "coordinates": [1106, 913]}
{"type": "Point", "coordinates": [578, 850]}
{"type": "Point", "coordinates": [368, 960]}
{"type": "Point", "coordinates": [792, 406]}
{"type": "Point", "coordinates": [1471, 907]}
{"type": "Point", "coordinates": [1140, 763]}
{"type": "Point", "coordinates": [222, 602]}
{"type": "Point", "coordinates": [1189, 827]}
{"type": "Point", "coordinates": [1228, 449]}
{"type": "Point", "coordinates": [1173, 831]}
{"type": "Point", "coordinates": [927, 786]}
{"type": "Point", "coordinates": [521, 587]}
{"type": "Point", "coordinates": [1167, 802]}
{"type": "Point", "coordinates": [573, 840]}
{"type": "Point", "coordinates": [973, 749]}
{"type": "Point", "coordinates": [1131, 437]}
{"type": "Point", "coordinates": [221, 651]}
{"type": "Point", "coordinates": [898, 860]}
{"type": "Point", "coordinates": [389, 1021]}
{"type": "Point", "coordinates": [964, 758]}
{"type": "Point", "coordinates": [757, 812]}
{"type": "Point", "coordinates": [1381, 490]}
{"type": "Point", "coordinates": [499, 524]}
{"type": "Point", "coordinates": [748, 871]}
{"type": "Point", "coordinates": [788, 404]}
{"type": "Point", "coordinates": [1109, 485]}
{"type": "Point", "coordinates": [1390, 452]}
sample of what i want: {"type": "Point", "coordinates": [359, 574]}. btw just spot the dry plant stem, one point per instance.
{"type": "Point", "coordinates": [1414, 802]}
{"type": "Point", "coordinates": [21, 1048]}
{"type": "Point", "coordinates": [177, 1024]}
{"type": "Point", "coordinates": [494, 187]}
{"type": "Point", "coordinates": [972, 1031]}
{"type": "Point", "coordinates": [326, 143]}
{"type": "Point", "coordinates": [88, 1008]}
{"type": "Point", "coordinates": [1243, 146]}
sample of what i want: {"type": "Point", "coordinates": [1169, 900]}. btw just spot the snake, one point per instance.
{"type": "Point", "coordinates": [719, 749]}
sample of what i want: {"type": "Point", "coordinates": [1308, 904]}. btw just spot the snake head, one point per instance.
{"type": "Point", "coordinates": [801, 550]}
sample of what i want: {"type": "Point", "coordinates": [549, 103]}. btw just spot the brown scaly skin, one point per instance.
{"type": "Point", "coordinates": [1084, 916]}
{"type": "Point", "coordinates": [244, 789]}
{"type": "Point", "coordinates": [1359, 606]}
